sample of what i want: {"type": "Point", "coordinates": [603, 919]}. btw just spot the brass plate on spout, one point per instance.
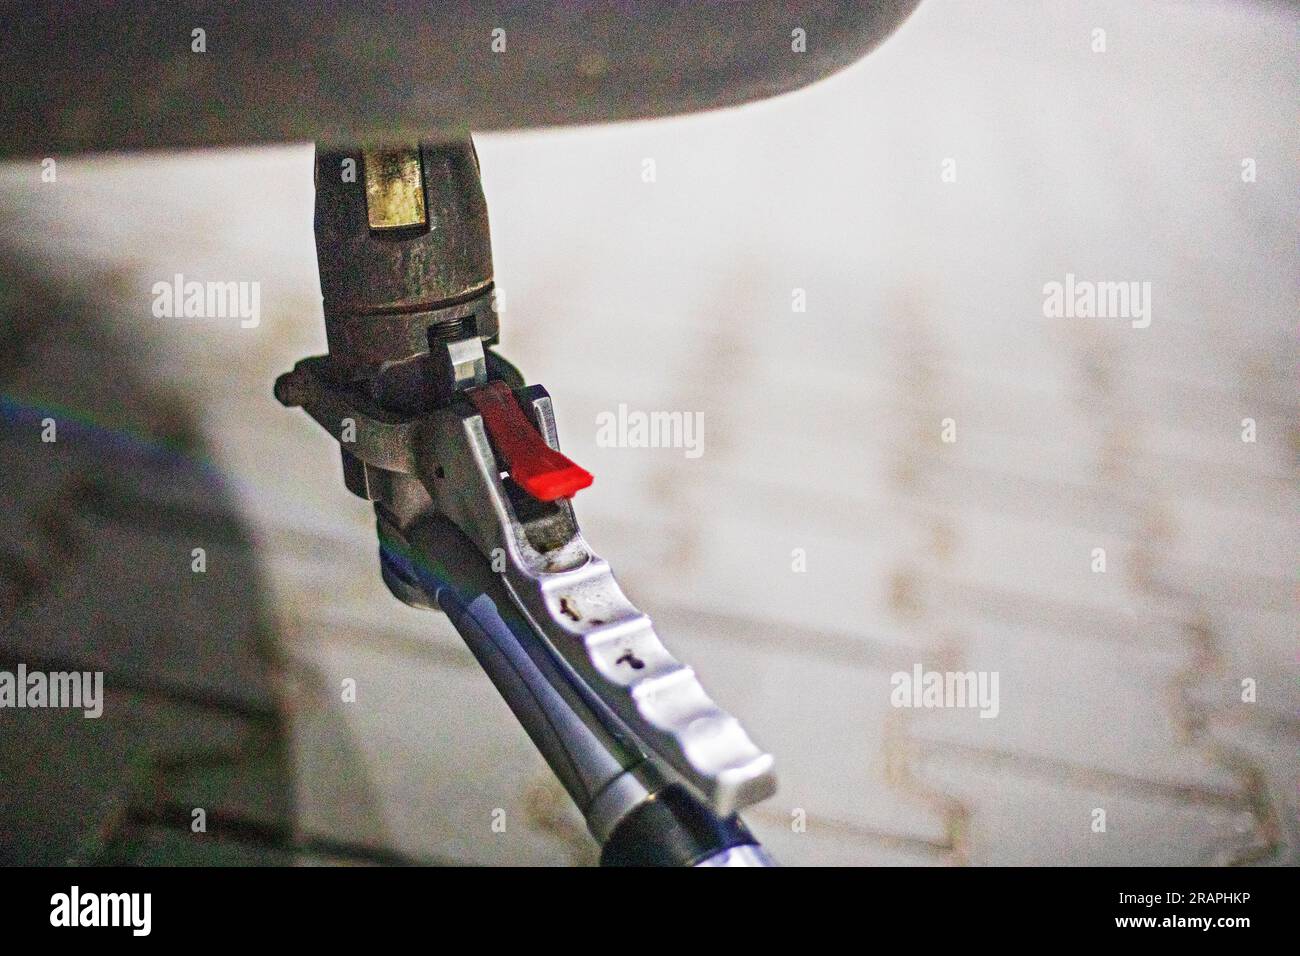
{"type": "Point", "coordinates": [394, 188]}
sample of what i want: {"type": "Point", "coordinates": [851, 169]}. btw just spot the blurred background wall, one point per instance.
{"type": "Point", "coordinates": [918, 203]}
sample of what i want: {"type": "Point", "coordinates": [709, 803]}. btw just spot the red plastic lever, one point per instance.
{"type": "Point", "coordinates": [537, 467]}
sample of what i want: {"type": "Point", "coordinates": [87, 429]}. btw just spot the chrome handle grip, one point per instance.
{"type": "Point", "coordinates": [613, 647]}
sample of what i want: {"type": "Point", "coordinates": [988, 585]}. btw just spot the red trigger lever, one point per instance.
{"type": "Point", "coordinates": [534, 465]}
